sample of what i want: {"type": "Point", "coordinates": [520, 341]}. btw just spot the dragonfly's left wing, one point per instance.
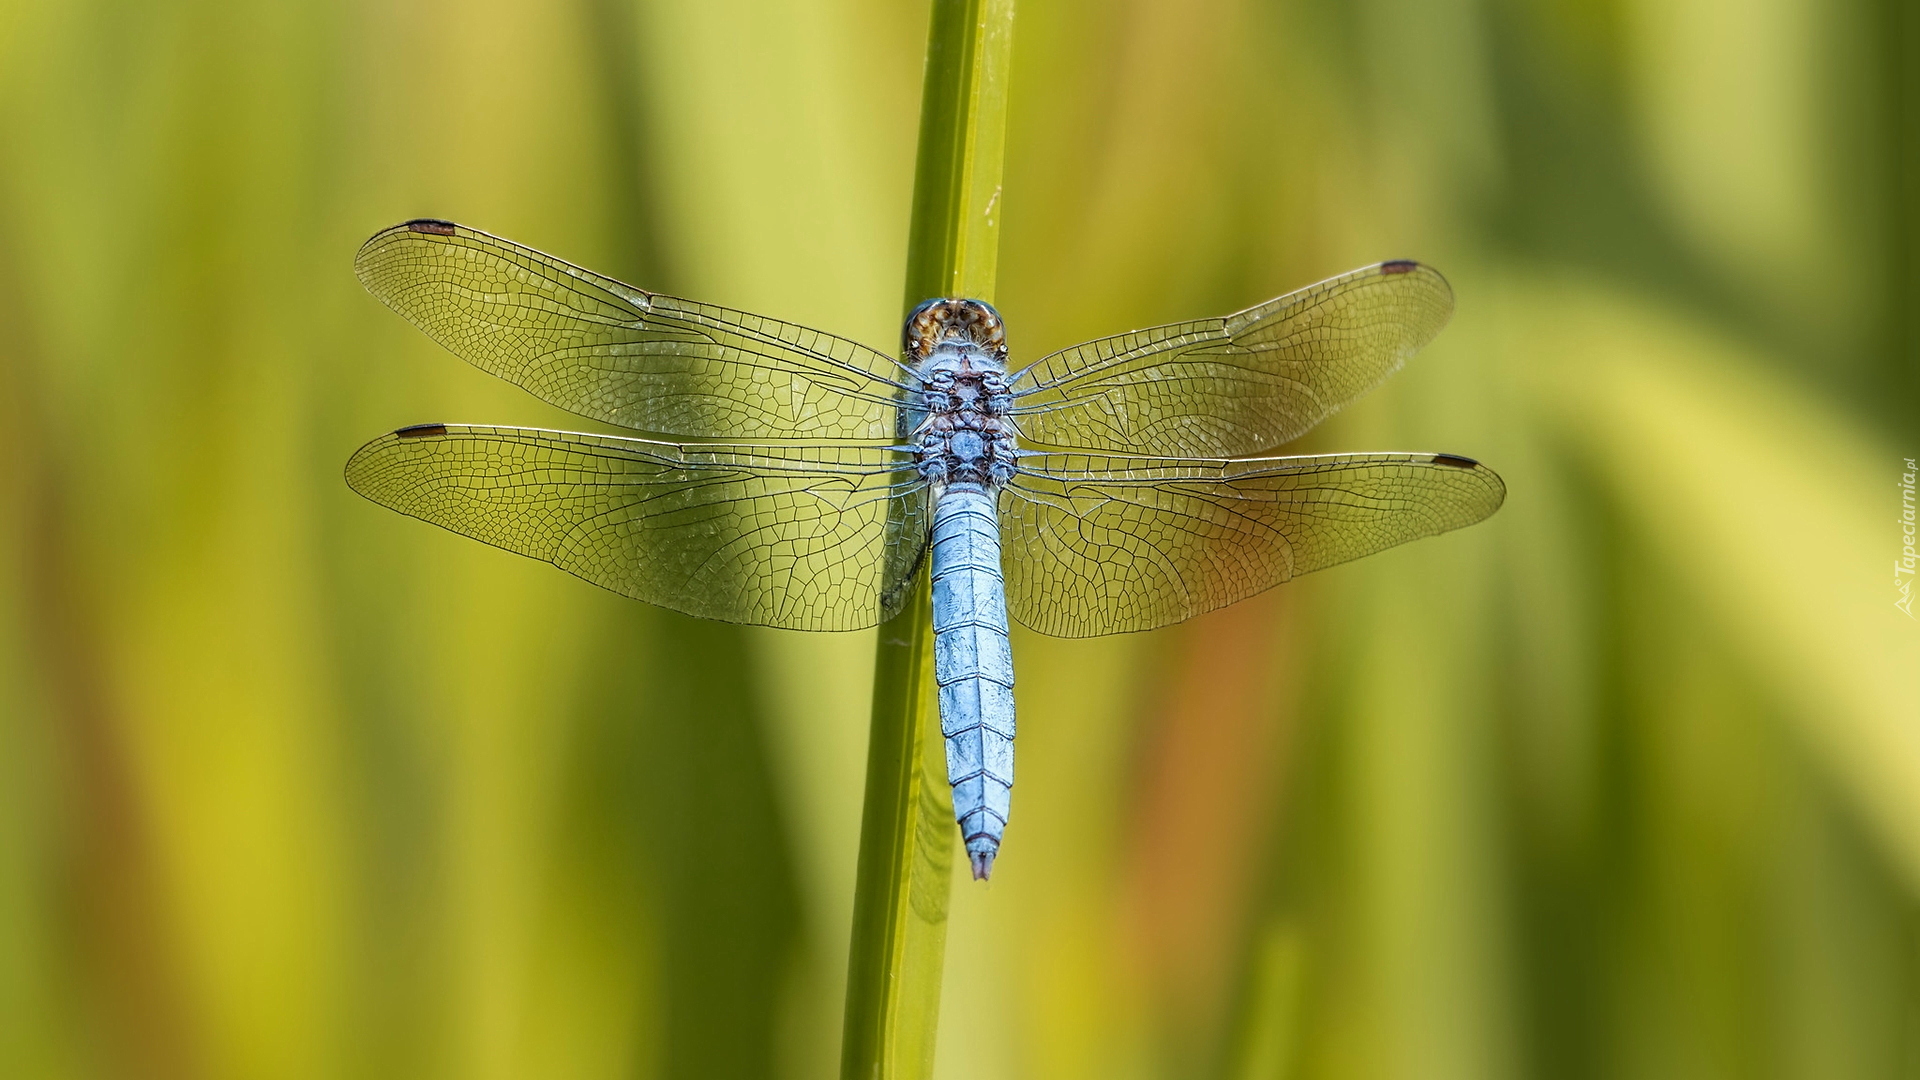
{"type": "Point", "coordinates": [805, 537]}
{"type": "Point", "coordinates": [1097, 544]}
{"type": "Point", "coordinates": [608, 351]}
{"type": "Point", "coordinates": [1238, 385]}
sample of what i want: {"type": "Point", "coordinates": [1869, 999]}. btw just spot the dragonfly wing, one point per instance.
{"type": "Point", "coordinates": [798, 536]}
{"type": "Point", "coordinates": [1097, 544]}
{"type": "Point", "coordinates": [609, 351]}
{"type": "Point", "coordinates": [1239, 385]}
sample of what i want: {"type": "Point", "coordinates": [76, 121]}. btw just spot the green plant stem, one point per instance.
{"type": "Point", "coordinates": [906, 828]}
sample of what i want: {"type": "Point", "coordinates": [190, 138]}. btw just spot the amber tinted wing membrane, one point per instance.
{"type": "Point", "coordinates": [794, 536]}
{"type": "Point", "coordinates": [611, 352]}
{"type": "Point", "coordinates": [1238, 385]}
{"type": "Point", "coordinates": [1097, 544]}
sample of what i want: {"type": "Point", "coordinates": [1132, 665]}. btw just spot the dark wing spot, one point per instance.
{"type": "Point", "coordinates": [1398, 266]}
{"type": "Point", "coordinates": [421, 431]}
{"type": "Point", "coordinates": [1454, 460]}
{"type": "Point", "coordinates": [431, 225]}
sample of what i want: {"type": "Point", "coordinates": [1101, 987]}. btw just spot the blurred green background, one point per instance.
{"type": "Point", "coordinates": [1622, 783]}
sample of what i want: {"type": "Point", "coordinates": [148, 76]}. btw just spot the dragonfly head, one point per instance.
{"type": "Point", "coordinates": [954, 320]}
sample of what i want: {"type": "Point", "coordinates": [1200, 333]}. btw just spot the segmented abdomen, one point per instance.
{"type": "Point", "coordinates": [973, 664]}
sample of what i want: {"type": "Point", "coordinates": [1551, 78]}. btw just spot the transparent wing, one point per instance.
{"type": "Point", "coordinates": [1095, 544]}
{"type": "Point", "coordinates": [608, 351]}
{"type": "Point", "coordinates": [1239, 385]}
{"type": "Point", "coordinates": [801, 537]}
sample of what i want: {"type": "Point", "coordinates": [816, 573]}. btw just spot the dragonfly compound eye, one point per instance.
{"type": "Point", "coordinates": [970, 322]}
{"type": "Point", "coordinates": [922, 330]}
{"type": "Point", "coordinates": [992, 332]}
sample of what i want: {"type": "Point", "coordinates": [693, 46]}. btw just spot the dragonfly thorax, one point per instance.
{"type": "Point", "coordinates": [966, 438]}
{"type": "Point", "coordinates": [960, 353]}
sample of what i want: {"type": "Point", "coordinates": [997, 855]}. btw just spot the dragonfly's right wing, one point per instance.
{"type": "Point", "coordinates": [1239, 385]}
{"type": "Point", "coordinates": [1102, 544]}
{"type": "Point", "coordinates": [805, 537]}
{"type": "Point", "coordinates": [611, 352]}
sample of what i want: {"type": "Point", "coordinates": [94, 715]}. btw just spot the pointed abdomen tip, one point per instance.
{"type": "Point", "coordinates": [982, 864]}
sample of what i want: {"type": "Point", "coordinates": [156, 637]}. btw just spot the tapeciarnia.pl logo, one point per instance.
{"type": "Point", "coordinates": [1903, 567]}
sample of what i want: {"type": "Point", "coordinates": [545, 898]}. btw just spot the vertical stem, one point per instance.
{"type": "Point", "coordinates": [955, 239]}
{"type": "Point", "coordinates": [906, 830]}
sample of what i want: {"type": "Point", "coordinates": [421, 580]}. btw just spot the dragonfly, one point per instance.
{"type": "Point", "coordinates": [787, 477]}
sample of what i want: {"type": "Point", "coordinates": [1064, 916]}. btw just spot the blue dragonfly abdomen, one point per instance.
{"type": "Point", "coordinates": [973, 667]}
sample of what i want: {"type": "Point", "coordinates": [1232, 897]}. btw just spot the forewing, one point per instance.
{"type": "Point", "coordinates": [609, 351]}
{"type": "Point", "coordinates": [1094, 544]}
{"type": "Point", "coordinates": [1239, 385]}
{"type": "Point", "coordinates": [800, 537]}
